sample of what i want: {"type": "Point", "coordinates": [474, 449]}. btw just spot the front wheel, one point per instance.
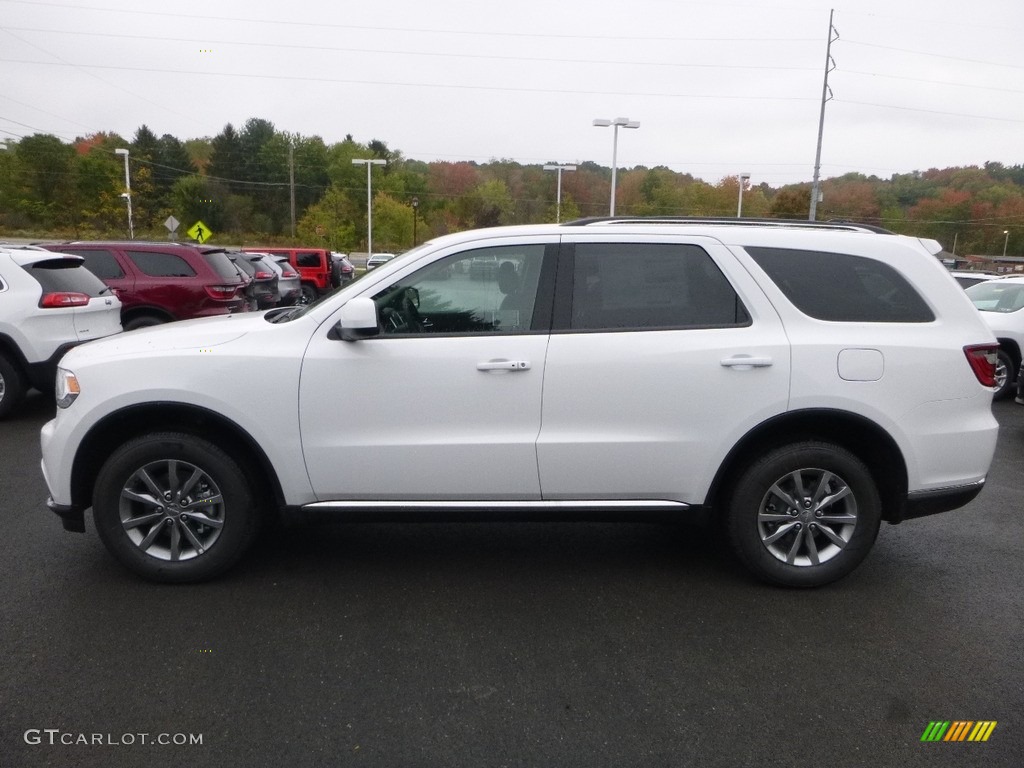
{"type": "Point", "coordinates": [174, 507]}
{"type": "Point", "coordinates": [804, 515]}
{"type": "Point", "coordinates": [12, 387]}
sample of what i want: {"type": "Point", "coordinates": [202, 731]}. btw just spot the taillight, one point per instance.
{"type": "Point", "coordinates": [983, 359]}
{"type": "Point", "coordinates": [221, 291]}
{"type": "Point", "coordinates": [263, 275]}
{"type": "Point", "coordinates": [290, 273]}
{"type": "Point", "coordinates": [63, 299]}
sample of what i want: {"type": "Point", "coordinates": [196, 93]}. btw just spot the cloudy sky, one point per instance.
{"type": "Point", "coordinates": [719, 88]}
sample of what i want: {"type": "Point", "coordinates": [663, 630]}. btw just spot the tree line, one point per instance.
{"type": "Point", "coordinates": [258, 184]}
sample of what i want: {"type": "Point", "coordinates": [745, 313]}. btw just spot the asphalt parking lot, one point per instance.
{"type": "Point", "coordinates": [510, 644]}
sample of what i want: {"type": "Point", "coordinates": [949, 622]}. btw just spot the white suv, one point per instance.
{"type": "Point", "coordinates": [49, 303]}
{"type": "Point", "coordinates": [1001, 303]}
{"type": "Point", "coordinates": [800, 383]}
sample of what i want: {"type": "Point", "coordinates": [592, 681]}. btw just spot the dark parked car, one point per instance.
{"type": "Point", "coordinates": [289, 284]}
{"type": "Point", "coordinates": [314, 266]}
{"type": "Point", "coordinates": [343, 270]}
{"type": "Point", "coordinates": [161, 282]}
{"type": "Point", "coordinates": [262, 291]}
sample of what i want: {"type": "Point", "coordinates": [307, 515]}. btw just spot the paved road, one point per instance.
{"type": "Point", "coordinates": [511, 645]}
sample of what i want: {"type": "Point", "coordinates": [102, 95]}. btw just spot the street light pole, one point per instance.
{"type": "Point", "coordinates": [128, 192]}
{"type": "Point", "coordinates": [618, 122]}
{"type": "Point", "coordinates": [415, 203]}
{"type": "Point", "coordinates": [744, 177]}
{"type": "Point", "coordinates": [1006, 242]}
{"type": "Point", "coordinates": [558, 203]}
{"type": "Point", "coordinates": [369, 162]}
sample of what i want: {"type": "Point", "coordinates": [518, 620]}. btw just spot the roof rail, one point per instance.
{"type": "Point", "coordinates": [850, 226]}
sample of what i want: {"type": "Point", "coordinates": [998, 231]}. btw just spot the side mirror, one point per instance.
{"type": "Point", "coordinates": [358, 320]}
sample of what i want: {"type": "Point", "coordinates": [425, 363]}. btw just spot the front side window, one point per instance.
{"type": "Point", "coordinates": [158, 264]}
{"type": "Point", "coordinates": [487, 290]}
{"type": "Point", "coordinates": [842, 288]}
{"type": "Point", "coordinates": [649, 286]}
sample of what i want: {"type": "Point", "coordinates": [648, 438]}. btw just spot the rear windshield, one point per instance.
{"type": "Point", "coordinates": [66, 275]}
{"type": "Point", "coordinates": [222, 265]}
{"type": "Point", "coordinates": [997, 296]}
{"type": "Point", "coordinates": [841, 287]}
{"type": "Point", "coordinates": [243, 264]}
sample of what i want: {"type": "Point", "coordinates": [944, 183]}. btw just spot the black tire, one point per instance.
{"type": "Point", "coordinates": [308, 294]}
{"type": "Point", "coordinates": [778, 541]}
{"type": "Point", "coordinates": [1005, 376]}
{"type": "Point", "coordinates": [142, 321]}
{"type": "Point", "coordinates": [214, 523]}
{"type": "Point", "coordinates": [12, 386]}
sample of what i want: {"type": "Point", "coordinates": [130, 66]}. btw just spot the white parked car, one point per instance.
{"type": "Point", "coordinates": [1000, 302]}
{"type": "Point", "coordinates": [49, 302]}
{"type": "Point", "coordinates": [378, 259]}
{"type": "Point", "coordinates": [768, 374]}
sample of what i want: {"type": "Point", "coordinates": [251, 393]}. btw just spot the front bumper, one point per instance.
{"type": "Point", "coordinates": [71, 516]}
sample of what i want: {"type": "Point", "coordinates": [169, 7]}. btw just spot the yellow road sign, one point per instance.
{"type": "Point", "coordinates": [199, 232]}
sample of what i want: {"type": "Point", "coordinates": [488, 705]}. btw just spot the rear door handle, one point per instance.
{"type": "Point", "coordinates": [746, 362]}
{"type": "Point", "coordinates": [504, 365]}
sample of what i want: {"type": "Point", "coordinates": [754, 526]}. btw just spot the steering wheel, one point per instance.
{"type": "Point", "coordinates": [405, 316]}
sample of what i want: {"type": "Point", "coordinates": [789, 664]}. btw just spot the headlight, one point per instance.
{"type": "Point", "coordinates": [67, 388]}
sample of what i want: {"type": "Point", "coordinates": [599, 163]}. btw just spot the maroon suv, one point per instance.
{"type": "Point", "coordinates": [161, 282]}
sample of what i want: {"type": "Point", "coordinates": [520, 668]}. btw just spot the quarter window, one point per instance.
{"type": "Point", "coordinates": [159, 264]}
{"type": "Point", "coordinates": [841, 287]}
{"type": "Point", "coordinates": [488, 290]}
{"type": "Point", "coordinates": [101, 263]}
{"type": "Point", "coordinates": [643, 286]}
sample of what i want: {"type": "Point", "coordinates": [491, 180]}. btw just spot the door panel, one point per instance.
{"type": "Point", "coordinates": [445, 404]}
{"type": "Point", "coordinates": [643, 393]}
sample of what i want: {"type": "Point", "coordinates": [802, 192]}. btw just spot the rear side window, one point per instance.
{"type": "Point", "coordinates": [66, 275]}
{"type": "Point", "coordinates": [644, 286]}
{"type": "Point", "coordinates": [307, 260]}
{"type": "Point", "coordinates": [221, 263]}
{"type": "Point", "coordinates": [159, 264]}
{"type": "Point", "coordinates": [842, 288]}
{"type": "Point", "coordinates": [101, 263]}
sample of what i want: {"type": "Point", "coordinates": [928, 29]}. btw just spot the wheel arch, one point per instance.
{"type": "Point", "coordinates": [135, 421]}
{"type": "Point", "coordinates": [146, 311]}
{"type": "Point", "coordinates": [857, 434]}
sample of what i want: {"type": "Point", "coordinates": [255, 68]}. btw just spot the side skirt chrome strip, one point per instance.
{"type": "Point", "coordinates": [597, 505]}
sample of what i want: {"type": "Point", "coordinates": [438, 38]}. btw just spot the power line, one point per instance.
{"type": "Point", "coordinates": [415, 30]}
{"type": "Point", "coordinates": [410, 84]}
{"type": "Point", "coordinates": [445, 54]}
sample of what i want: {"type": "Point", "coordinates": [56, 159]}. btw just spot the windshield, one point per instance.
{"type": "Point", "coordinates": [997, 296]}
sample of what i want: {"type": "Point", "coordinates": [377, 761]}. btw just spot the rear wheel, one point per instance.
{"type": "Point", "coordinates": [142, 321]}
{"type": "Point", "coordinates": [1004, 376]}
{"type": "Point", "coordinates": [12, 387]}
{"type": "Point", "coordinates": [174, 508]}
{"type": "Point", "coordinates": [804, 514]}
{"type": "Point", "coordinates": [308, 294]}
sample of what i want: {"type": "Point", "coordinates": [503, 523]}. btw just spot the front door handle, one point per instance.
{"type": "Point", "coordinates": [746, 362]}
{"type": "Point", "coordinates": [504, 365]}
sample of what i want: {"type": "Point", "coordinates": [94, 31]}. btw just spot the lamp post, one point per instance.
{"type": "Point", "coordinates": [558, 203]}
{"type": "Point", "coordinates": [618, 122]}
{"type": "Point", "coordinates": [1006, 242]}
{"type": "Point", "coordinates": [744, 177]}
{"type": "Point", "coordinates": [128, 192]}
{"type": "Point", "coordinates": [415, 203]}
{"type": "Point", "coordinates": [369, 162]}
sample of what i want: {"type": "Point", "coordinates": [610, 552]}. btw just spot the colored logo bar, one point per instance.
{"type": "Point", "coordinates": [958, 730]}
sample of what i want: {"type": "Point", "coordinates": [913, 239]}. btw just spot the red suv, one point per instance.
{"type": "Point", "coordinates": [314, 265]}
{"type": "Point", "coordinates": [161, 282]}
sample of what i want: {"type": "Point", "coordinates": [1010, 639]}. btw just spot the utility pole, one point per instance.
{"type": "Point", "coordinates": [826, 95]}
{"type": "Point", "coordinates": [291, 180]}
